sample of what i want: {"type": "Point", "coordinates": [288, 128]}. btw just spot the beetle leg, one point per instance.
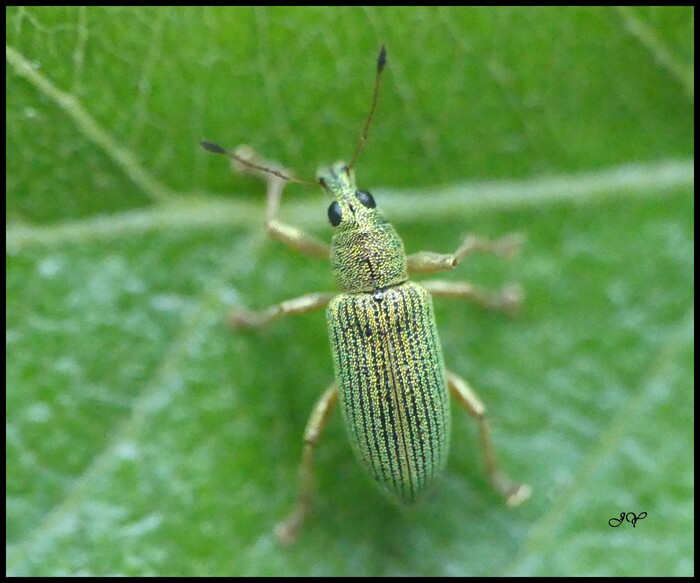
{"type": "Point", "coordinates": [241, 318]}
{"type": "Point", "coordinates": [288, 529]}
{"type": "Point", "coordinates": [427, 261]}
{"type": "Point", "coordinates": [513, 492]}
{"type": "Point", "coordinates": [507, 299]}
{"type": "Point", "coordinates": [289, 235]}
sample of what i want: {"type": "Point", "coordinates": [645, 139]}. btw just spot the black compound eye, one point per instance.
{"type": "Point", "coordinates": [365, 198]}
{"type": "Point", "coordinates": [334, 213]}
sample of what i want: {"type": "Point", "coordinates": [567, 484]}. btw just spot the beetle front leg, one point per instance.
{"type": "Point", "coordinates": [507, 299]}
{"type": "Point", "coordinates": [291, 236]}
{"type": "Point", "coordinates": [428, 262]}
{"type": "Point", "coordinates": [241, 318]}
{"type": "Point", "coordinates": [288, 529]}
{"type": "Point", "coordinates": [513, 492]}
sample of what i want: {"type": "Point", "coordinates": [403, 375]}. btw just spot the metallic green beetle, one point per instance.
{"type": "Point", "coordinates": [388, 362]}
{"type": "Point", "coordinates": [389, 372]}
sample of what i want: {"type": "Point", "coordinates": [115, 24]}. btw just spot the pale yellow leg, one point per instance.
{"type": "Point", "coordinates": [287, 234]}
{"type": "Point", "coordinates": [513, 492]}
{"type": "Point", "coordinates": [241, 318]}
{"type": "Point", "coordinates": [288, 529]}
{"type": "Point", "coordinates": [507, 299]}
{"type": "Point", "coordinates": [428, 262]}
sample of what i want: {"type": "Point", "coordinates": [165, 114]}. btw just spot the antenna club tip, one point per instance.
{"type": "Point", "coordinates": [212, 147]}
{"type": "Point", "coordinates": [381, 59]}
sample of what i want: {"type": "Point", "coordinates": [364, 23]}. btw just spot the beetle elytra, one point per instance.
{"type": "Point", "coordinates": [390, 380]}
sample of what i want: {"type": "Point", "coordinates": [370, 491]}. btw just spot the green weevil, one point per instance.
{"type": "Point", "coordinates": [390, 378]}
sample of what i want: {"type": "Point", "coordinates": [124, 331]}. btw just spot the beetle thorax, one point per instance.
{"type": "Point", "coordinates": [367, 254]}
{"type": "Point", "coordinates": [366, 260]}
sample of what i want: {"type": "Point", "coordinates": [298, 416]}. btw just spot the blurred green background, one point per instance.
{"type": "Point", "coordinates": [144, 438]}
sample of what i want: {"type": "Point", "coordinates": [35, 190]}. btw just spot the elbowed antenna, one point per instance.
{"type": "Point", "coordinates": [216, 149]}
{"type": "Point", "coordinates": [381, 62]}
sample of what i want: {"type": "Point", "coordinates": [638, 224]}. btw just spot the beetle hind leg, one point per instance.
{"type": "Point", "coordinates": [513, 492]}
{"type": "Point", "coordinates": [288, 529]}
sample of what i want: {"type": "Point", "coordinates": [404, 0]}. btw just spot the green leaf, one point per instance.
{"type": "Point", "coordinates": [145, 438]}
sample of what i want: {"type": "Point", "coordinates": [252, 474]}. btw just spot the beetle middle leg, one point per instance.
{"type": "Point", "coordinates": [513, 492]}
{"type": "Point", "coordinates": [288, 529]}
{"type": "Point", "coordinates": [242, 318]}
{"type": "Point", "coordinates": [507, 298]}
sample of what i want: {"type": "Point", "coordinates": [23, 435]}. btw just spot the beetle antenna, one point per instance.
{"type": "Point", "coordinates": [381, 62]}
{"type": "Point", "coordinates": [216, 149]}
